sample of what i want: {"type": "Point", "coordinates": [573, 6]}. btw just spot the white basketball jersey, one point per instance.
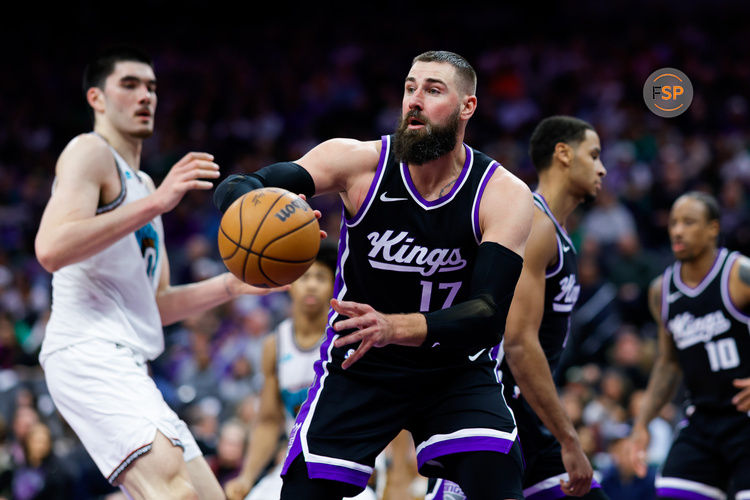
{"type": "Point", "coordinates": [294, 368]}
{"type": "Point", "coordinates": [111, 295]}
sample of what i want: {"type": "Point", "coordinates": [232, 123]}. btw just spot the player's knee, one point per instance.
{"type": "Point", "coordinates": [178, 488]}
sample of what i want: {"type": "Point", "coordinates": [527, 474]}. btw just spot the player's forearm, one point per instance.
{"type": "Point", "coordinates": [410, 329]}
{"type": "Point", "coordinates": [662, 385]}
{"type": "Point", "coordinates": [531, 372]}
{"type": "Point", "coordinates": [179, 302]}
{"type": "Point", "coordinates": [77, 240]}
{"type": "Point", "coordinates": [262, 446]}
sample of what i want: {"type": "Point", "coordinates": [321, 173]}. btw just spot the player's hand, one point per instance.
{"type": "Point", "coordinates": [638, 444]}
{"type": "Point", "coordinates": [185, 175]}
{"type": "Point", "coordinates": [236, 287]}
{"type": "Point", "coordinates": [237, 488]}
{"type": "Point", "coordinates": [579, 471]}
{"type": "Point", "coordinates": [372, 328]}
{"type": "Point", "coordinates": [741, 400]}
{"type": "Point", "coordinates": [318, 215]}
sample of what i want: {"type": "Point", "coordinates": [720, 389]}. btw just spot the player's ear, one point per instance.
{"type": "Point", "coordinates": [563, 153]}
{"type": "Point", "coordinates": [468, 106]}
{"type": "Point", "coordinates": [95, 98]}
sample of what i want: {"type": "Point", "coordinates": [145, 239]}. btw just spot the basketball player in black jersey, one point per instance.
{"type": "Point", "coordinates": [429, 256]}
{"type": "Point", "coordinates": [701, 305]}
{"type": "Point", "coordinates": [566, 154]}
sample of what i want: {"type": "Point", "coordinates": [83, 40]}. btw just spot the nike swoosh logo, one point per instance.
{"type": "Point", "coordinates": [566, 248]}
{"type": "Point", "coordinates": [475, 356]}
{"type": "Point", "coordinates": [386, 198]}
{"type": "Point", "coordinates": [673, 296]}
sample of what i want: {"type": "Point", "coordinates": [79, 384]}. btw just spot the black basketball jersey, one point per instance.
{"type": "Point", "coordinates": [561, 290]}
{"type": "Point", "coordinates": [710, 333]}
{"type": "Point", "coordinates": [402, 254]}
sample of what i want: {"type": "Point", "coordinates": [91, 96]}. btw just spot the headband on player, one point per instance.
{"type": "Point", "coordinates": [479, 321]}
{"type": "Point", "coordinates": [287, 175]}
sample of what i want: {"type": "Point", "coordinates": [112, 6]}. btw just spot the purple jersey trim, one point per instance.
{"type": "Point", "coordinates": [460, 445]}
{"type": "Point", "coordinates": [678, 493]}
{"type": "Point", "coordinates": [545, 207]}
{"type": "Point", "coordinates": [726, 297]}
{"type": "Point", "coordinates": [560, 262]}
{"type": "Point", "coordinates": [555, 492]}
{"type": "Point", "coordinates": [384, 150]}
{"type": "Point", "coordinates": [666, 279]}
{"type": "Point", "coordinates": [412, 189]}
{"type": "Point", "coordinates": [707, 279]}
{"type": "Point", "coordinates": [317, 470]}
{"type": "Point", "coordinates": [478, 199]}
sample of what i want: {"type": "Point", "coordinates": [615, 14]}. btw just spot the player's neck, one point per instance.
{"type": "Point", "coordinates": [558, 198]}
{"type": "Point", "coordinates": [308, 330]}
{"type": "Point", "coordinates": [436, 178]}
{"type": "Point", "coordinates": [693, 271]}
{"type": "Point", "coordinates": [127, 146]}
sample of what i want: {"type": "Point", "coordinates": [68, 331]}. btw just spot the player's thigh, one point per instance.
{"type": "Point", "coordinates": [465, 413]}
{"type": "Point", "coordinates": [203, 479]}
{"type": "Point", "coordinates": [692, 468]}
{"type": "Point", "coordinates": [160, 473]}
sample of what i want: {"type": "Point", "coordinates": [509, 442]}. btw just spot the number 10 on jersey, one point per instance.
{"type": "Point", "coordinates": [427, 290]}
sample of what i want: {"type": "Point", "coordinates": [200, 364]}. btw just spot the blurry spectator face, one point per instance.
{"type": "Point", "coordinates": [231, 446]}
{"type": "Point", "coordinates": [586, 168]}
{"type": "Point", "coordinates": [128, 101]}
{"type": "Point", "coordinates": [24, 419]}
{"type": "Point", "coordinates": [628, 349]}
{"type": "Point", "coordinates": [257, 322]}
{"type": "Point", "coordinates": [38, 443]}
{"type": "Point", "coordinates": [690, 230]}
{"type": "Point", "coordinates": [312, 292]}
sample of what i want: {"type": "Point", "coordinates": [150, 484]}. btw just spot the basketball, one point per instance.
{"type": "Point", "coordinates": [269, 237]}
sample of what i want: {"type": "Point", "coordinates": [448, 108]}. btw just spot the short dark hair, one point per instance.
{"type": "Point", "coordinates": [328, 255]}
{"type": "Point", "coordinates": [549, 132]}
{"type": "Point", "coordinates": [713, 212]}
{"type": "Point", "coordinates": [465, 72]}
{"type": "Point", "coordinates": [103, 64]}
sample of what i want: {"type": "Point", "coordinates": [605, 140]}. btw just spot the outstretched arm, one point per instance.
{"type": "Point", "coordinates": [739, 292]}
{"type": "Point", "coordinates": [662, 385]}
{"type": "Point", "coordinates": [344, 166]}
{"type": "Point", "coordinates": [527, 360]}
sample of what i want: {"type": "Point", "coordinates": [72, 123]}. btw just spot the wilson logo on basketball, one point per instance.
{"type": "Point", "coordinates": [290, 208]}
{"type": "Point", "coordinates": [397, 253]}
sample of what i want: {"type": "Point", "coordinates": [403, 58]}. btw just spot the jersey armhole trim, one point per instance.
{"type": "Point", "coordinates": [478, 200]}
{"type": "Point", "coordinates": [385, 149]}
{"type": "Point", "coordinates": [726, 297]}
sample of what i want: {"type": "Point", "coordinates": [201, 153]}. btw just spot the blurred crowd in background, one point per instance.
{"type": "Point", "coordinates": [258, 94]}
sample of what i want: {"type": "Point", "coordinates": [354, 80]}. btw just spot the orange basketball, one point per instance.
{"type": "Point", "coordinates": [269, 237]}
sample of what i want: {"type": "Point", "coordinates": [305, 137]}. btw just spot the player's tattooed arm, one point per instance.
{"type": "Point", "coordinates": [739, 284]}
{"type": "Point", "coordinates": [663, 382]}
{"type": "Point", "coordinates": [666, 373]}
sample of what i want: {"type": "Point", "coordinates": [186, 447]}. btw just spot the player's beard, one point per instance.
{"type": "Point", "coordinates": [429, 143]}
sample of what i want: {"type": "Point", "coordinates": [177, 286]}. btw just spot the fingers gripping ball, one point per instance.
{"type": "Point", "coordinates": [269, 237]}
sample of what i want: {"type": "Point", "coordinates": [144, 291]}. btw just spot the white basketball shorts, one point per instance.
{"type": "Point", "coordinates": [104, 392]}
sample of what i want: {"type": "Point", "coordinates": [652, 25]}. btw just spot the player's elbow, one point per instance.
{"type": "Point", "coordinates": [48, 258]}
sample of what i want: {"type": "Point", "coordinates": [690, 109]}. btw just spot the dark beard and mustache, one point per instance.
{"type": "Point", "coordinates": [417, 147]}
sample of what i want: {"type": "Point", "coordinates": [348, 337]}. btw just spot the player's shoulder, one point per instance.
{"type": "Point", "coordinates": [504, 182]}
{"type": "Point", "coordinates": [352, 147]}
{"type": "Point", "coordinates": [86, 153]}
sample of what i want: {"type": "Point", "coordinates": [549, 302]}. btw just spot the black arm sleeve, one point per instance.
{"type": "Point", "coordinates": [287, 175]}
{"type": "Point", "coordinates": [479, 321]}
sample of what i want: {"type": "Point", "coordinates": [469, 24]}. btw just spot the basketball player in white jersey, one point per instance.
{"type": "Point", "coordinates": [101, 236]}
